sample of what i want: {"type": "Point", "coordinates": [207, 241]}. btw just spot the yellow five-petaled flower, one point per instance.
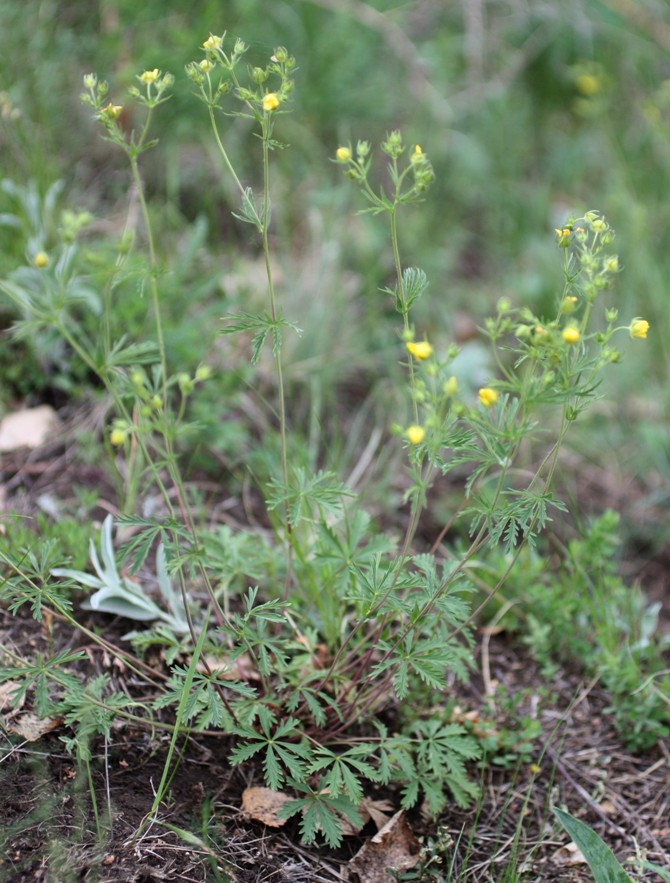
{"type": "Point", "coordinates": [415, 434]}
{"type": "Point", "coordinates": [149, 76]}
{"type": "Point", "coordinates": [270, 102]}
{"type": "Point", "coordinates": [639, 329]}
{"type": "Point", "coordinates": [420, 349]}
{"type": "Point", "coordinates": [570, 334]}
{"type": "Point", "coordinates": [487, 396]}
{"type": "Point", "coordinates": [212, 43]}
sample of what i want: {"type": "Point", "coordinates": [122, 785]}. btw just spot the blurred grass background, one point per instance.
{"type": "Point", "coordinates": [530, 112]}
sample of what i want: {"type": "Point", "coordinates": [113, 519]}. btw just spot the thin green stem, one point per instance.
{"type": "Point", "coordinates": [403, 302]}
{"type": "Point", "coordinates": [281, 396]}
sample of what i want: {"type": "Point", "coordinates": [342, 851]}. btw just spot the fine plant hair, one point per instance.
{"type": "Point", "coordinates": [320, 653]}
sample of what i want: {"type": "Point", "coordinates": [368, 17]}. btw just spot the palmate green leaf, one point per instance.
{"type": "Point", "coordinates": [37, 676]}
{"type": "Point", "coordinates": [352, 541]}
{"type": "Point", "coordinates": [431, 762]}
{"type": "Point", "coordinates": [426, 657]}
{"type": "Point", "coordinates": [320, 813]}
{"type": "Point", "coordinates": [415, 283]}
{"type": "Point", "coordinates": [442, 750]}
{"type": "Point", "coordinates": [261, 326]}
{"type": "Point", "coordinates": [374, 581]}
{"type": "Point", "coordinates": [345, 771]}
{"type": "Point", "coordinates": [133, 354]}
{"type": "Point", "coordinates": [249, 213]}
{"type": "Point", "coordinates": [316, 702]}
{"type": "Point", "coordinates": [308, 495]}
{"type": "Point", "coordinates": [280, 754]}
{"type": "Point", "coordinates": [137, 548]}
{"type": "Point", "coordinates": [601, 860]}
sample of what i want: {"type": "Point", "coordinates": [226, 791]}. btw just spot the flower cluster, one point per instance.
{"type": "Point", "coordinates": [216, 74]}
{"type": "Point", "coordinates": [156, 85]}
{"type": "Point", "coordinates": [410, 182]}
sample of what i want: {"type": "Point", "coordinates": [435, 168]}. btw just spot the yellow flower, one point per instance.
{"type": "Point", "coordinates": [418, 156]}
{"type": "Point", "coordinates": [343, 154]}
{"type": "Point", "coordinates": [112, 111]}
{"type": "Point", "coordinates": [420, 349]}
{"type": "Point", "coordinates": [588, 84]}
{"type": "Point", "coordinates": [487, 396]}
{"type": "Point", "coordinates": [41, 260]}
{"type": "Point", "coordinates": [570, 334]}
{"type": "Point", "coordinates": [205, 65]}
{"type": "Point", "coordinates": [415, 434]}
{"type": "Point", "coordinates": [451, 387]}
{"type": "Point", "coordinates": [270, 102]}
{"type": "Point", "coordinates": [212, 43]}
{"type": "Point", "coordinates": [563, 236]}
{"type": "Point", "coordinates": [638, 329]}
{"type": "Point", "coordinates": [149, 76]}
{"type": "Point", "coordinates": [569, 304]}
{"type": "Point", "coordinates": [118, 436]}
{"type": "Point", "coordinates": [535, 768]}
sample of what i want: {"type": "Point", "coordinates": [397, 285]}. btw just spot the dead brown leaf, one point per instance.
{"type": "Point", "coordinates": [240, 669]}
{"type": "Point", "coordinates": [394, 847]}
{"type": "Point", "coordinates": [369, 810]}
{"type": "Point", "coordinates": [28, 428]}
{"type": "Point", "coordinates": [263, 804]}
{"type": "Point", "coordinates": [31, 727]}
{"type": "Point", "coordinates": [569, 856]}
{"type": "Point", "coordinates": [6, 691]}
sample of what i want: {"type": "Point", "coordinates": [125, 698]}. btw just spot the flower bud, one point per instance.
{"type": "Point", "coordinates": [118, 436]}
{"type": "Point", "coordinates": [638, 329]}
{"type": "Point", "coordinates": [450, 387]}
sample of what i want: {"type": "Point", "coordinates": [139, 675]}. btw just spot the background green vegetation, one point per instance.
{"type": "Point", "coordinates": [529, 112]}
